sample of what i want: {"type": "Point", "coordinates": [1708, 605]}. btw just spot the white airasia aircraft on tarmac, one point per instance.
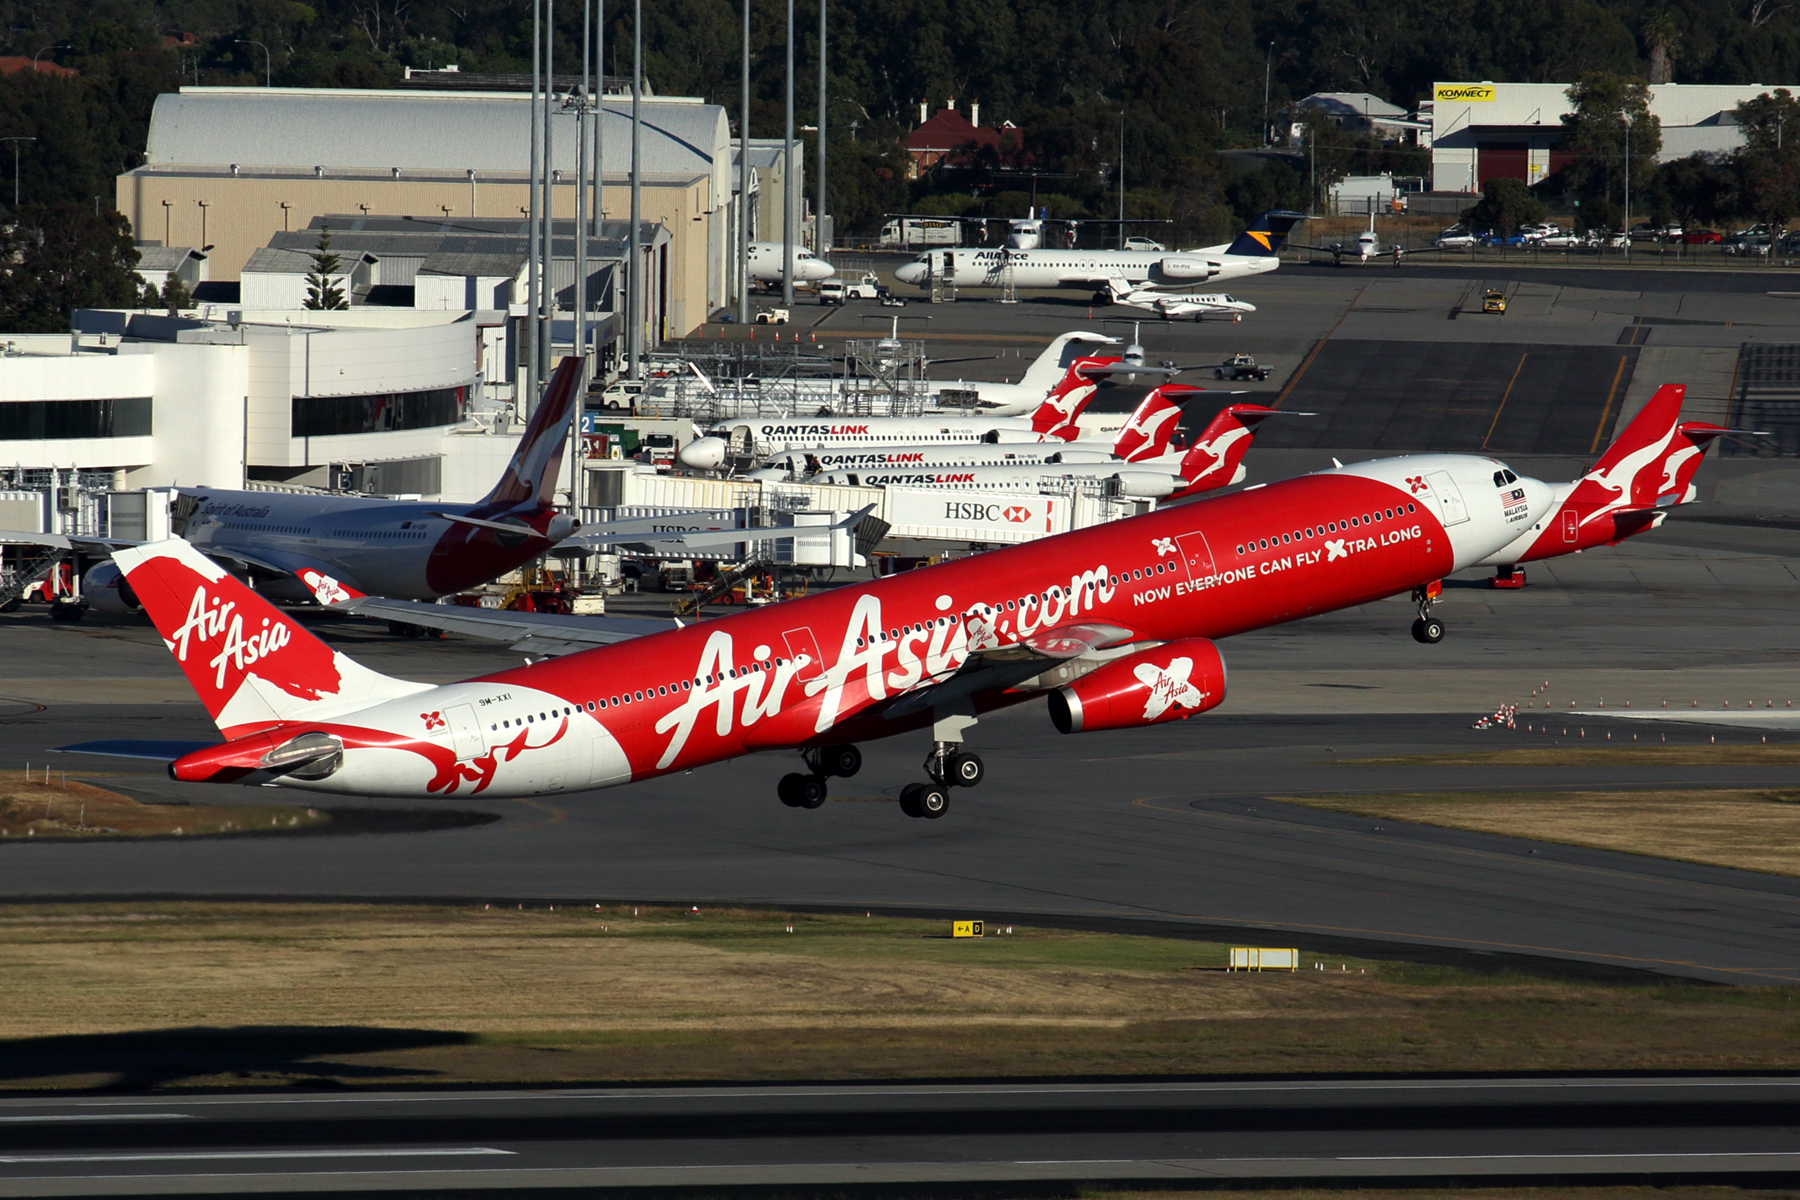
{"type": "Point", "coordinates": [1115, 624]}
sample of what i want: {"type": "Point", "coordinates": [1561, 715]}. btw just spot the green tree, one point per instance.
{"type": "Point", "coordinates": [1769, 163]}
{"type": "Point", "coordinates": [1505, 205]}
{"type": "Point", "coordinates": [55, 260]}
{"type": "Point", "coordinates": [1610, 125]}
{"type": "Point", "coordinates": [322, 290]}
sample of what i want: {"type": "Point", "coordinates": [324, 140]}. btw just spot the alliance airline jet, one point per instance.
{"type": "Point", "coordinates": [1115, 624]}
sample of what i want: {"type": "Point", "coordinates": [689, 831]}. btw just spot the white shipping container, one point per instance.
{"type": "Point", "coordinates": [1253, 958]}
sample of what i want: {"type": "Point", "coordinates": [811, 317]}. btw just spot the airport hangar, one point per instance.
{"type": "Point", "coordinates": [234, 168]}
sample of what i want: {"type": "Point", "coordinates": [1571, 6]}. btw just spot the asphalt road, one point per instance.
{"type": "Point", "coordinates": [1739, 1130]}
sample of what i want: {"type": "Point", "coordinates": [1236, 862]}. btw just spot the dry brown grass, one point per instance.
{"type": "Point", "coordinates": [1752, 829]}
{"type": "Point", "coordinates": [471, 995]}
{"type": "Point", "coordinates": [71, 809]}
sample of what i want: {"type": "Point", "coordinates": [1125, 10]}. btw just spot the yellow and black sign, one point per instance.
{"type": "Point", "coordinates": [1464, 93]}
{"type": "Point", "coordinates": [965, 929]}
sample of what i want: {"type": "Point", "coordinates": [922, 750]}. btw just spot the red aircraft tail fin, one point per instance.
{"type": "Point", "coordinates": [251, 664]}
{"type": "Point", "coordinates": [1635, 466]}
{"type": "Point", "coordinates": [1056, 416]}
{"type": "Point", "coordinates": [530, 478]}
{"type": "Point", "coordinates": [1152, 426]}
{"type": "Point", "coordinates": [1216, 458]}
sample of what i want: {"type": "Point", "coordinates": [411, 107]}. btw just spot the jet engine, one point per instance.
{"type": "Point", "coordinates": [1184, 268]}
{"type": "Point", "coordinates": [1171, 682]}
{"type": "Point", "coordinates": [106, 589]}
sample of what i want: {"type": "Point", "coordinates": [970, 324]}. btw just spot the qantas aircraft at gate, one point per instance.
{"type": "Point", "coordinates": [1115, 624]}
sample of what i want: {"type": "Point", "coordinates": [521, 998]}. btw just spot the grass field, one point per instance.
{"type": "Point", "coordinates": [1751, 828]}
{"type": "Point", "coordinates": [258, 995]}
{"type": "Point", "coordinates": [66, 808]}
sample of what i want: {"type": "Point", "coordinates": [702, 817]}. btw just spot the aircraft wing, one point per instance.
{"type": "Point", "coordinates": [59, 541]}
{"type": "Point", "coordinates": [1009, 665]}
{"type": "Point", "coordinates": [534, 633]}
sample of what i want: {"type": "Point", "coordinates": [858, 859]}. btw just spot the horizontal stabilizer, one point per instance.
{"type": "Point", "coordinates": [134, 748]}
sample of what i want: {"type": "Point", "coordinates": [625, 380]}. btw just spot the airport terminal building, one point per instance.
{"type": "Point", "coordinates": [230, 170]}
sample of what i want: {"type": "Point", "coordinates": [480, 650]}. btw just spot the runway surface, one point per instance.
{"type": "Point", "coordinates": [1310, 1132]}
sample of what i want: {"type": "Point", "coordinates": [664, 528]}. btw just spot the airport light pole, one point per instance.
{"type": "Point", "coordinates": [743, 230]}
{"type": "Point", "coordinates": [819, 246]}
{"type": "Point", "coordinates": [578, 444]}
{"type": "Point", "coordinates": [1268, 72]}
{"type": "Point", "coordinates": [268, 62]}
{"type": "Point", "coordinates": [48, 49]}
{"type": "Point", "coordinates": [635, 301]}
{"type": "Point", "coordinates": [546, 324]}
{"type": "Point", "coordinates": [788, 190]}
{"type": "Point", "coordinates": [1627, 183]}
{"type": "Point", "coordinates": [595, 216]}
{"type": "Point", "coordinates": [529, 329]}
{"type": "Point", "coordinates": [15, 144]}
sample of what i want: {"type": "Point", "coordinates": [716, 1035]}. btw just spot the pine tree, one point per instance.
{"type": "Point", "coordinates": [322, 291]}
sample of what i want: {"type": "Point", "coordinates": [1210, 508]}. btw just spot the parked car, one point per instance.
{"type": "Point", "coordinates": [1144, 243]}
{"type": "Point", "coordinates": [1605, 239]}
{"type": "Point", "coordinates": [1650, 231]}
{"type": "Point", "coordinates": [1457, 237]}
{"type": "Point", "coordinates": [1701, 237]}
{"type": "Point", "coordinates": [1560, 240]}
{"type": "Point", "coordinates": [621, 395]}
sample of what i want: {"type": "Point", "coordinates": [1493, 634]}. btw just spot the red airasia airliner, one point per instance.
{"type": "Point", "coordinates": [1115, 623]}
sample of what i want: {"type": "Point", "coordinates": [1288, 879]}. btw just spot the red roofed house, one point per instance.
{"type": "Point", "coordinates": [12, 64]}
{"type": "Point", "coordinates": [947, 137]}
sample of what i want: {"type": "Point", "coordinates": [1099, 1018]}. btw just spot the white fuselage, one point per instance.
{"type": "Point", "coordinates": [1090, 269]}
{"type": "Point", "coordinates": [769, 259]}
{"type": "Point", "coordinates": [761, 437]}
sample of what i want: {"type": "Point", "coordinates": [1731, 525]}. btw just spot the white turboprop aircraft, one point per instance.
{"type": "Point", "coordinates": [769, 259]}
{"type": "Point", "coordinates": [1254, 252]}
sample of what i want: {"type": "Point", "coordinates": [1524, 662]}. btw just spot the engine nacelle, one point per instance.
{"type": "Point", "coordinates": [1148, 485]}
{"type": "Point", "coordinates": [1184, 268]}
{"type": "Point", "coordinates": [106, 589]}
{"type": "Point", "coordinates": [1171, 682]}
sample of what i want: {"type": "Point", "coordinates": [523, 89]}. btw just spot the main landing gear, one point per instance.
{"type": "Point", "coordinates": [1427, 628]}
{"type": "Point", "coordinates": [948, 765]}
{"type": "Point", "coordinates": [808, 791]}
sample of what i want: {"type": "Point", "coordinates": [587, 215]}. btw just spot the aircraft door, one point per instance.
{"type": "Point", "coordinates": [1571, 526]}
{"type": "Point", "coordinates": [1451, 509]}
{"type": "Point", "coordinates": [1197, 555]}
{"type": "Point", "coordinates": [465, 731]}
{"type": "Point", "coordinates": [801, 642]}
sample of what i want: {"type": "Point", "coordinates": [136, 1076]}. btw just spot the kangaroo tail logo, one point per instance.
{"type": "Point", "coordinates": [1056, 416]}
{"type": "Point", "coordinates": [1216, 458]}
{"type": "Point", "coordinates": [1152, 425]}
{"type": "Point", "coordinates": [530, 478]}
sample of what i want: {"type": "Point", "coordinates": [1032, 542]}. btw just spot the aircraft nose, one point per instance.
{"type": "Point", "coordinates": [1540, 497]}
{"type": "Point", "coordinates": [703, 454]}
{"type": "Point", "coordinates": [912, 272]}
{"type": "Point", "coordinates": [818, 268]}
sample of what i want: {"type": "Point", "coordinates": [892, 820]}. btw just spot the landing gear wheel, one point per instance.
{"type": "Point", "coordinates": [966, 770]}
{"type": "Point", "coordinates": [909, 799]}
{"type": "Point", "coordinates": [1429, 630]}
{"type": "Point", "coordinates": [801, 791]}
{"type": "Point", "coordinates": [842, 761]}
{"type": "Point", "coordinates": [934, 801]}
{"type": "Point", "coordinates": [789, 789]}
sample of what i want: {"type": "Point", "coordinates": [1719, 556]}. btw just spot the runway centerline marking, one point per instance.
{"type": "Point", "coordinates": [223, 1155]}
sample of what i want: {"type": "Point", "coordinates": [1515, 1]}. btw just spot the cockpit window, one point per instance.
{"type": "Point", "coordinates": [1503, 477]}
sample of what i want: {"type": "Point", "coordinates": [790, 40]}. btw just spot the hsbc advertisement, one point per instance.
{"type": "Point", "coordinates": [974, 516]}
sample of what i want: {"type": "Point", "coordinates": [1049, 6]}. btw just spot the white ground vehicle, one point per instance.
{"type": "Point", "coordinates": [837, 291]}
{"type": "Point", "coordinates": [621, 395]}
{"type": "Point", "coordinates": [773, 316]}
{"type": "Point", "coordinates": [922, 231]}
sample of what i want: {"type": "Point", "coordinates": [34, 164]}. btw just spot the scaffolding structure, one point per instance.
{"type": "Point", "coordinates": [706, 382]}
